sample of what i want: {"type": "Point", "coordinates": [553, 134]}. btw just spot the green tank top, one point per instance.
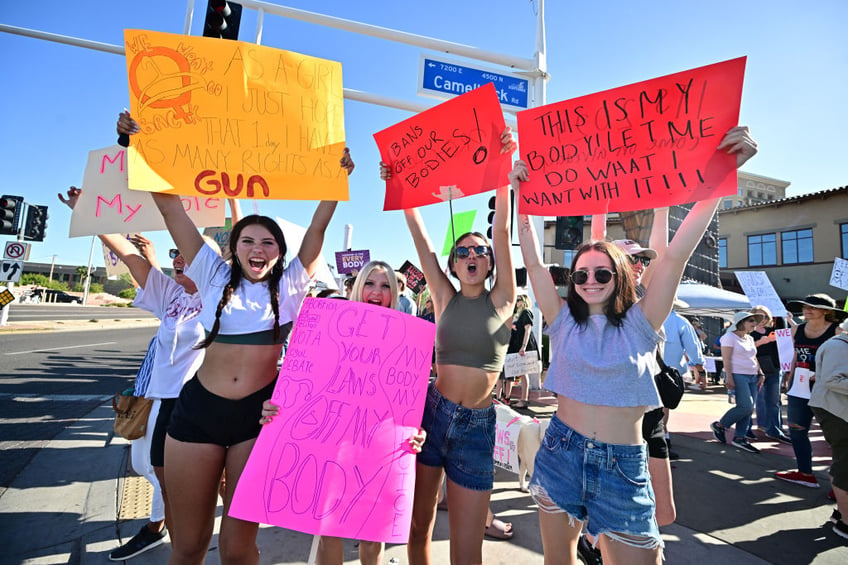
{"type": "Point", "coordinates": [470, 333]}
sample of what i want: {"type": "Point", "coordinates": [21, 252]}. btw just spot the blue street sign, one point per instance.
{"type": "Point", "coordinates": [451, 79]}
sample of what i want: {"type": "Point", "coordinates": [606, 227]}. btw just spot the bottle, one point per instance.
{"type": "Point", "coordinates": [731, 396]}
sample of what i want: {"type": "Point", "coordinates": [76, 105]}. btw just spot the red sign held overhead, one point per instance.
{"type": "Point", "coordinates": [645, 145]}
{"type": "Point", "coordinates": [447, 152]}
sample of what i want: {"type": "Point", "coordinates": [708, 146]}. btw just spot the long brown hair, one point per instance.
{"type": "Point", "coordinates": [236, 274]}
{"type": "Point", "coordinates": [624, 291]}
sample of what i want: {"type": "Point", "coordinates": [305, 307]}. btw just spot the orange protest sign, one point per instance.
{"type": "Point", "coordinates": [647, 145]}
{"type": "Point", "coordinates": [229, 119]}
{"type": "Point", "coordinates": [447, 152]}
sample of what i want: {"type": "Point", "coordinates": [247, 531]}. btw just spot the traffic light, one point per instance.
{"type": "Point", "coordinates": [491, 217]}
{"type": "Point", "coordinates": [10, 214]}
{"type": "Point", "coordinates": [222, 19]}
{"type": "Point", "coordinates": [569, 232]}
{"type": "Point", "coordinates": [35, 226]}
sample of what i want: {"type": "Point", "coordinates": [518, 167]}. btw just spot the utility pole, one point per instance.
{"type": "Point", "coordinates": [52, 264]}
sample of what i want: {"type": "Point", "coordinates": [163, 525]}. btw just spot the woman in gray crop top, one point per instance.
{"type": "Point", "coordinates": [473, 327]}
{"type": "Point", "coordinates": [602, 348]}
{"type": "Point", "coordinates": [219, 419]}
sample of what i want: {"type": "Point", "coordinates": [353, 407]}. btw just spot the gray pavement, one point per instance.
{"type": "Point", "coordinates": [64, 507]}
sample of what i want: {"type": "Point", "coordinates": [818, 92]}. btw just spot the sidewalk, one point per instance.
{"type": "Point", "coordinates": [64, 506]}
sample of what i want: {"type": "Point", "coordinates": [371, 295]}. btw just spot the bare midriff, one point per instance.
{"type": "Point", "coordinates": [235, 371]}
{"type": "Point", "coordinates": [609, 424]}
{"type": "Point", "coordinates": [466, 386]}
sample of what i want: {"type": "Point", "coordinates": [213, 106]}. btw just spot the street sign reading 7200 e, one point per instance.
{"type": "Point", "coordinates": [446, 79]}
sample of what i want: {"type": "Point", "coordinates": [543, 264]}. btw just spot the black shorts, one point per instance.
{"type": "Point", "coordinates": [653, 432]}
{"type": "Point", "coordinates": [157, 442]}
{"type": "Point", "coordinates": [203, 417]}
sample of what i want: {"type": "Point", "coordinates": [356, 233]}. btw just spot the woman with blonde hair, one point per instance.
{"type": "Point", "coordinates": [768, 410]}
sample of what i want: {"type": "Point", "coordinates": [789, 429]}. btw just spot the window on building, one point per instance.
{"type": "Point", "coordinates": [722, 253]}
{"type": "Point", "coordinates": [843, 236]}
{"type": "Point", "coordinates": [728, 204]}
{"type": "Point", "coordinates": [762, 249]}
{"type": "Point", "coordinates": [797, 246]}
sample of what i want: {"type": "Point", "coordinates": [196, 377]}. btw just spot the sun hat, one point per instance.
{"type": "Point", "coordinates": [633, 248]}
{"type": "Point", "coordinates": [820, 300]}
{"type": "Point", "coordinates": [738, 317]}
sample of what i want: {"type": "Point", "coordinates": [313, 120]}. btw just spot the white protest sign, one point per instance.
{"type": "Point", "coordinates": [785, 348]}
{"type": "Point", "coordinates": [516, 364]}
{"type": "Point", "coordinates": [801, 383]}
{"type": "Point", "coordinates": [759, 290]}
{"type": "Point", "coordinates": [506, 444]}
{"type": "Point", "coordinates": [839, 275]}
{"type": "Point", "coordinates": [107, 205]}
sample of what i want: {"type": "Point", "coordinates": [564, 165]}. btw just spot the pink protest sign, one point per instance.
{"type": "Point", "coordinates": [645, 145]}
{"type": "Point", "coordinates": [336, 460]}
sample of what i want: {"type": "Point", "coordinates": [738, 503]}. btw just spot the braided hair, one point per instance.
{"type": "Point", "coordinates": [236, 274]}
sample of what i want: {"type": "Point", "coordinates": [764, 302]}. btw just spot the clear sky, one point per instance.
{"type": "Point", "coordinates": [62, 101]}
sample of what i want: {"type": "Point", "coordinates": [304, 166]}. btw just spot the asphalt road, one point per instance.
{"type": "Point", "coordinates": [52, 312]}
{"type": "Point", "coordinates": [49, 380]}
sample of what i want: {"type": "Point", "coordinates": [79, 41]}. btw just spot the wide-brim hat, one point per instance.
{"type": "Point", "coordinates": [739, 316]}
{"type": "Point", "coordinates": [822, 301]}
{"type": "Point", "coordinates": [633, 248]}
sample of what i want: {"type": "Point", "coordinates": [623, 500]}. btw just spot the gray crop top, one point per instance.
{"type": "Point", "coordinates": [470, 333]}
{"type": "Point", "coordinates": [601, 364]}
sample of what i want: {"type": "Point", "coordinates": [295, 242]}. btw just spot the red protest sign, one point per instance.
{"type": "Point", "coordinates": [447, 152]}
{"type": "Point", "coordinates": [646, 145]}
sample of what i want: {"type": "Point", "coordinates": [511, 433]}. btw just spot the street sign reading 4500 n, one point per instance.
{"type": "Point", "coordinates": [447, 78]}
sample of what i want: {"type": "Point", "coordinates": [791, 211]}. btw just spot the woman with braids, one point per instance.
{"type": "Point", "coordinates": [250, 307]}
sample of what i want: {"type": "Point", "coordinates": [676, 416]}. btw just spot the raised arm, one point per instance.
{"type": "Point", "coordinates": [598, 230]}
{"type": "Point", "coordinates": [658, 240]}
{"type": "Point", "coordinates": [544, 289]}
{"type": "Point", "coordinates": [669, 268]}
{"type": "Point", "coordinates": [235, 210]}
{"type": "Point", "coordinates": [313, 241]}
{"type": "Point", "coordinates": [503, 293]}
{"type": "Point", "coordinates": [441, 289]}
{"type": "Point", "coordinates": [125, 251]}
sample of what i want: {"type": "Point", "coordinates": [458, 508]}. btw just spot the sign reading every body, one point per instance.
{"type": "Point", "coordinates": [647, 145]}
{"type": "Point", "coordinates": [234, 120]}
{"type": "Point", "coordinates": [447, 152]}
{"type": "Point", "coordinates": [336, 460]}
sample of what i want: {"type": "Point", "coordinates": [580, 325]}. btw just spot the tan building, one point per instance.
{"type": "Point", "coordinates": [794, 240]}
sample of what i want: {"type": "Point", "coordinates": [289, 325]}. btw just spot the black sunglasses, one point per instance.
{"type": "Point", "coordinates": [174, 253]}
{"type": "Point", "coordinates": [602, 276]}
{"type": "Point", "coordinates": [646, 261]}
{"type": "Point", "coordinates": [479, 251]}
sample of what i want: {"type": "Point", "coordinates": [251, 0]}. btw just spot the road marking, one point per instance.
{"type": "Point", "coordinates": [59, 348]}
{"type": "Point", "coordinates": [31, 397]}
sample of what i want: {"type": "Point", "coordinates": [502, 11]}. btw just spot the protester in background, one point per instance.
{"type": "Point", "coordinates": [602, 397]}
{"type": "Point", "coordinates": [472, 335]}
{"type": "Point", "coordinates": [769, 413]}
{"type": "Point", "coordinates": [348, 286]}
{"type": "Point", "coordinates": [405, 303]}
{"type": "Point", "coordinates": [521, 341]}
{"type": "Point", "coordinates": [744, 377]}
{"type": "Point", "coordinates": [426, 312]}
{"type": "Point", "coordinates": [829, 402]}
{"type": "Point", "coordinates": [820, 318]}
{"type": "Point", "coordinates": [250, 307]}
{"type": "Point", "coordinates": [375, 284]}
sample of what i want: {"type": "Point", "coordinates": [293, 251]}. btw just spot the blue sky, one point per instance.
{"type": "Point", "coordinates": [62, 101]}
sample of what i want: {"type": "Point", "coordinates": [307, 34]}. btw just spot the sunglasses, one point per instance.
{"type": "Point", "coordinates": [479, 251]}
{"type": "Point", "coordinates": [634, 259]}
{"type": "Point", "coordinates": [174, 253]}
{"type": "Point", "coordinates": [602, 276]}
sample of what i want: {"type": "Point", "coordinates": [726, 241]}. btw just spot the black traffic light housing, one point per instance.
{"type": "Point", "coordinates": [569, 232]}
{"type": "Point", "coordinates": [491, 220]}
{"type": "Point", "coordinates": [35, 227]}
{"type": "Point", "coordinates": [10, 214]}
{"type": "Point", "coordinates": [222, 20]}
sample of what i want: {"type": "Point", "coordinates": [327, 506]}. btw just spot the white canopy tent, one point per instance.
{"type": "Point", "coordinates": [705, 300]}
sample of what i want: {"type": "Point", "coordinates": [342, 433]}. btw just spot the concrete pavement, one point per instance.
{"type": "Point", "coordinates": [65, 506]}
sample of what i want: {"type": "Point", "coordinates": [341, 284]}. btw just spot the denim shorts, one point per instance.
{"type": "Point", "coordinates": [460, 439]}
{"type": "Point", "coordinates": [606, 485]}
